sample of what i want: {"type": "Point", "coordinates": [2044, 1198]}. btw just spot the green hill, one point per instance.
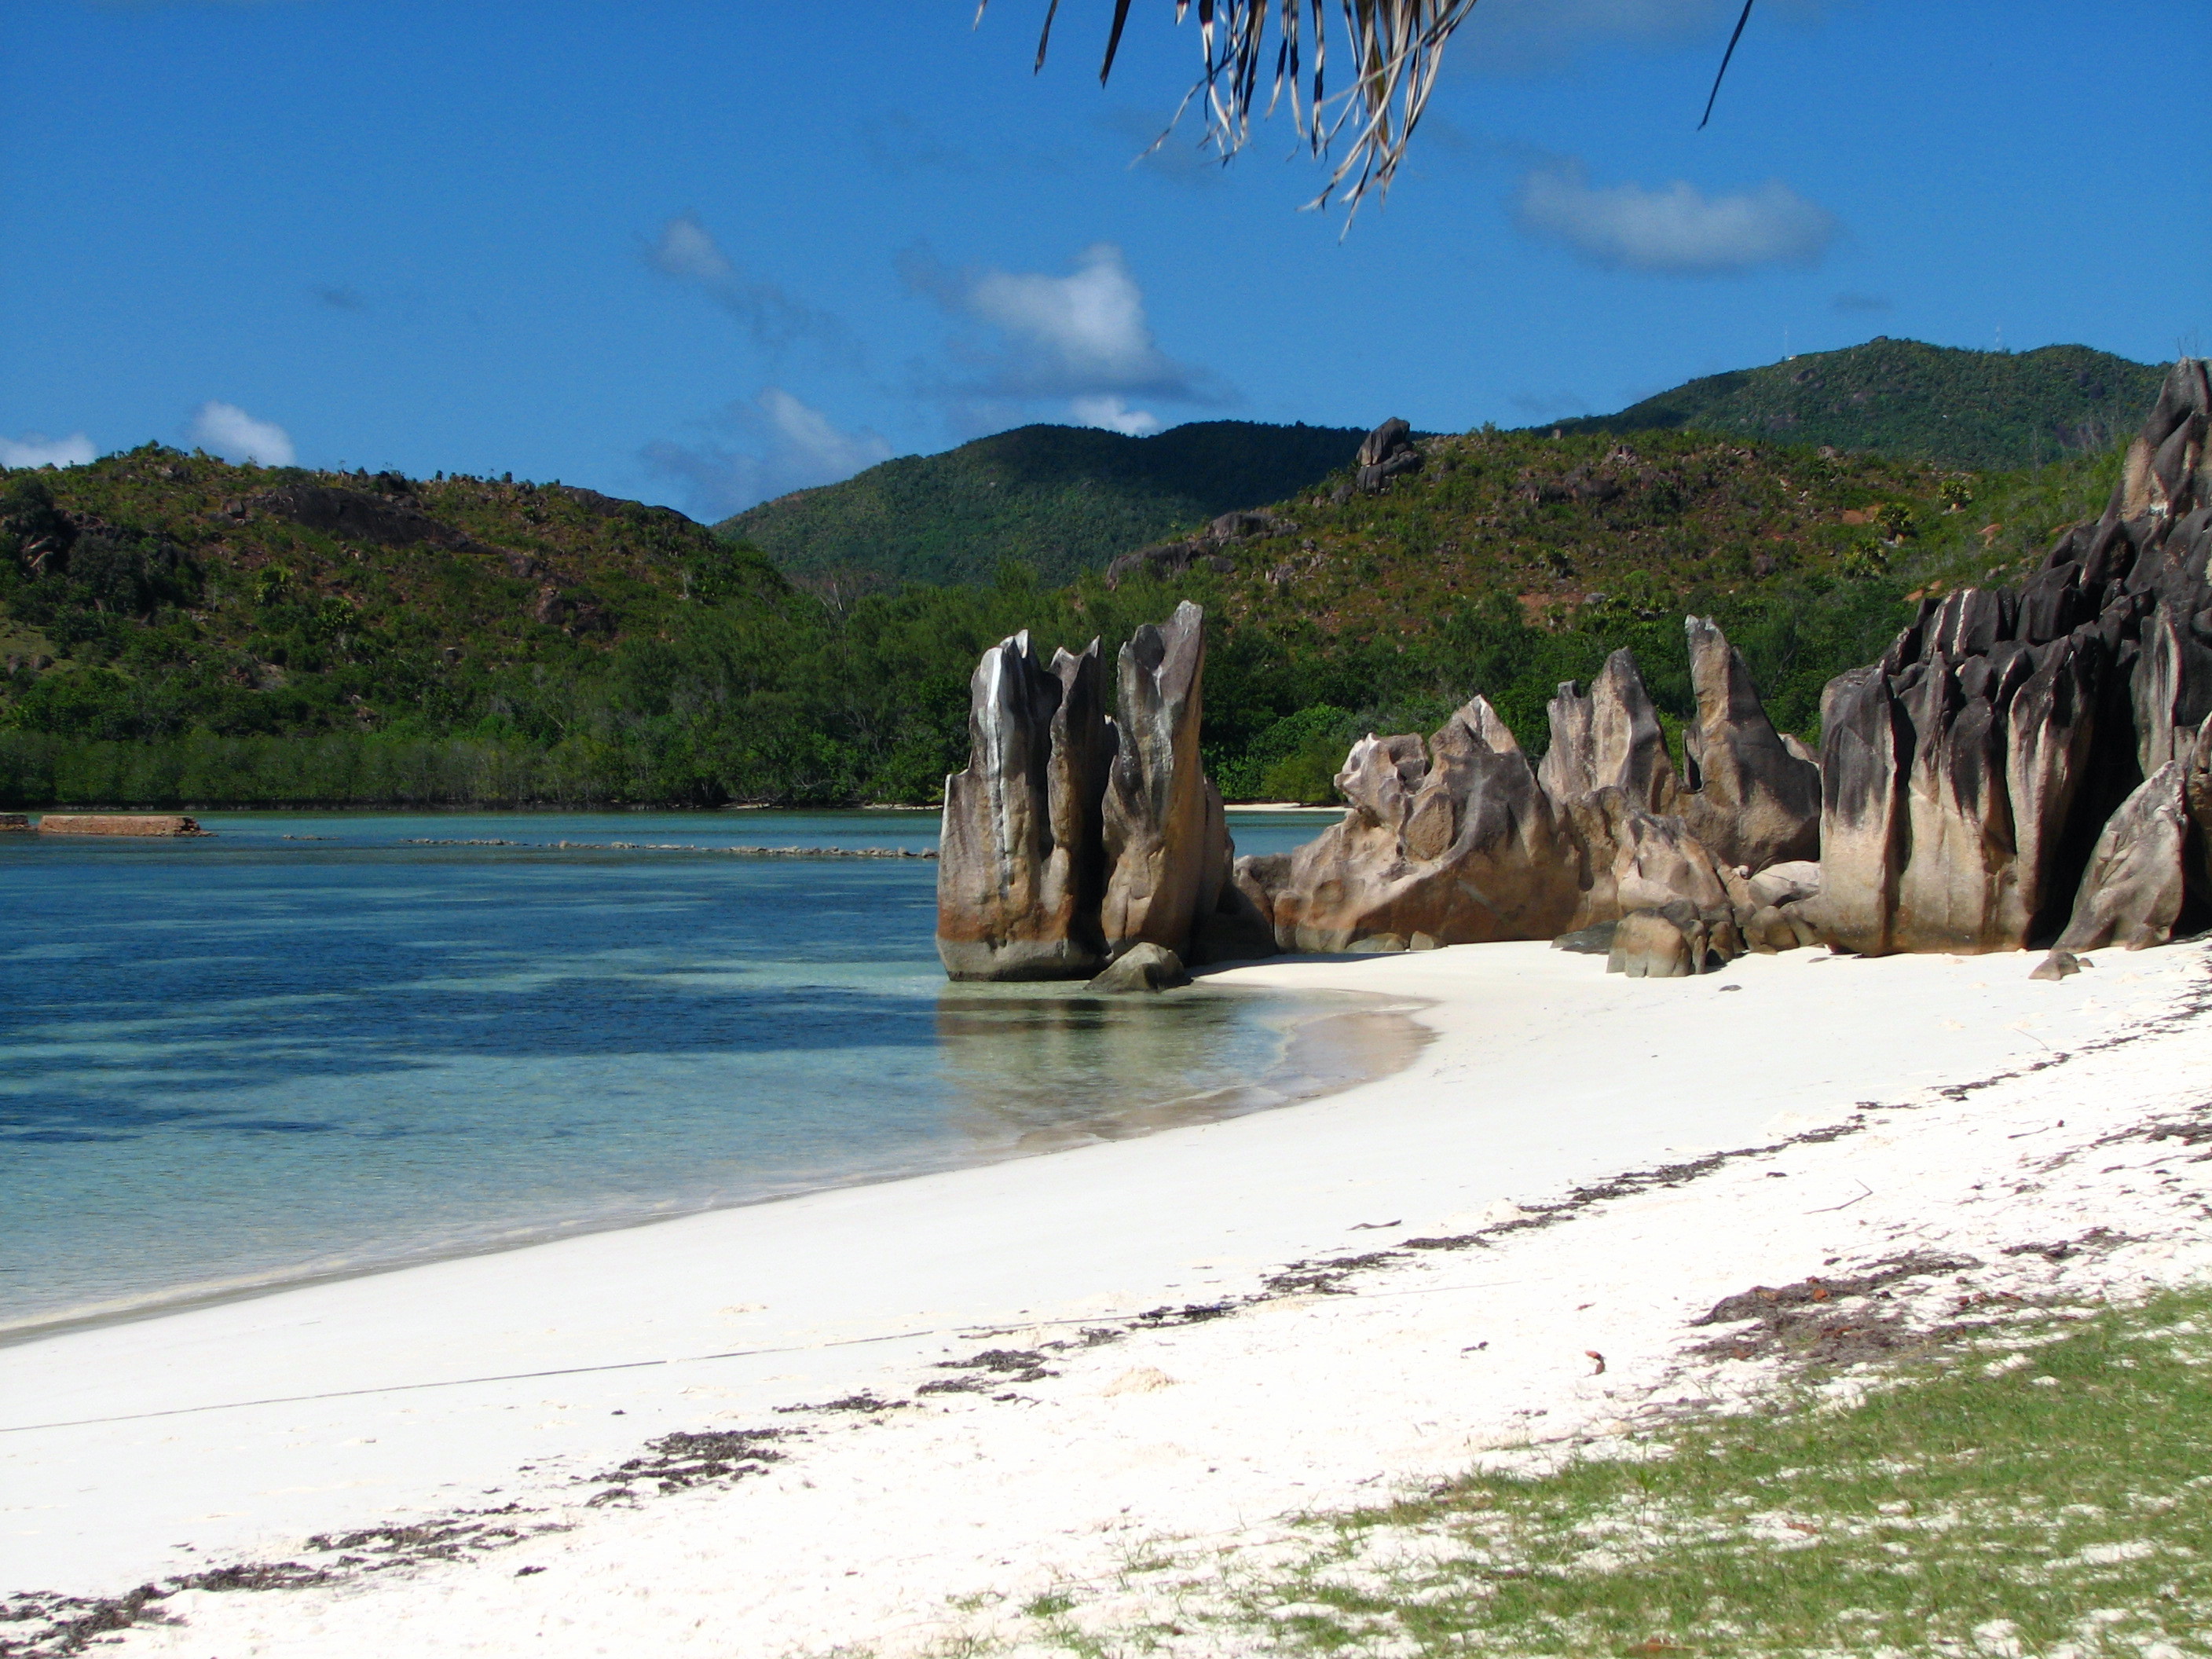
{"type": "Point", "coordinates": [1059, 499]}
{"type": "Point", "coordinates": [1915, 402]}
{"type": "Point", "coordinates": [175, 630]}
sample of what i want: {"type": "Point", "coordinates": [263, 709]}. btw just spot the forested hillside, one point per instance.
{"type": "Point", "coordinates": [1916, 402]}
{"type": "Point", "coordinates": [177, 630]}
{"type": "Point", "coordinates": [1060, 499]}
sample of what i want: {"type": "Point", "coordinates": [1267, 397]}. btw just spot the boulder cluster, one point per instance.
{"type": "Point", "coordinates": [1460, 840]}
{"type": "Point", "coordinates": [2020, 767]}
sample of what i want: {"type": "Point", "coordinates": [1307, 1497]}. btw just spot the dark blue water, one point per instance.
{"type": "Point", "coordinates": [316, 1043]}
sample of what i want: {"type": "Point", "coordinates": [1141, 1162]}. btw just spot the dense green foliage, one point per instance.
{"type": "Point", "coordinates": [175, 630]}
{"type": "Point", "coordinates": [1916, 402]}
{"type": "Point", "coordinates": [1061, 500]}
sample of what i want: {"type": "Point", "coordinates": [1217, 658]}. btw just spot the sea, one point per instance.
{"type": "Point", "coordinates": [315, 1044]}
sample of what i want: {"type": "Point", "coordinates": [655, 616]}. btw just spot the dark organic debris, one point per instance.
{"type": "Point", "coordinates": [2096, 1238]}
{"type": "Point", "coordinates": [1191, 1312]}
{"type": "Point", "coordinates": [1325, 1277]}
{"type": "Point", "coordinates": [862, 1402]}
{"type": "Point", "coordinates": [1803, 1318]}
{"type": "Point", "coordinates": [677, 1461]}
{"type": "Point", "coordinates": [58, 1626]}
{"type": "Point", "coordinates": [994, 1368]}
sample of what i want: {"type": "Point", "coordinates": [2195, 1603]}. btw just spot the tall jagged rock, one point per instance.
{"type": "Point", "coordinates": [1454, 842]}
{"type": "Point", "coordinates": [1021, 862]}
{"type": "Point", "coordinates": [1968, 775]}
{"type": "Point", "coordinates": [1748, 796]}
{"type": "Point", "coordinates": [1069, 838]}
{"type": "Point", "coordinates": [1168, 851]}
{"type": "Point", "coordinates": [1609, 736]}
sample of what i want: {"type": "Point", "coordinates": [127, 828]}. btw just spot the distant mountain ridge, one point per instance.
{"type": "Point", "coordinates": [1062, 499]}
{"type": "Point", "coordinates": [1909, 401]}
{"type": "Point", "coordinates": [1065, 501]}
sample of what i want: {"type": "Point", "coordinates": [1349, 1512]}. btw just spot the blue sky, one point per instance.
{"type": "Point", "coordinates": [699, 253]}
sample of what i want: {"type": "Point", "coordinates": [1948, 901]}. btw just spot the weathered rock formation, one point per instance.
{"type": "Point", "coordinates": [1021, 864]}
{"type": "Point", "coordinates": [2133, 891]}
{"type": "Point", "coordinates": [1748, 797]}
{"type": "Point", "coordinates": [1168, 852]}
{"type": "Point", "coordinates": [1141, 967]}
{"type": "Point", "coordinates": [1385, 452]}
{"type": "Point", "coordinates": [1460, 841]}
{"type": "Point", "coordinates": [1966, 777]}
{"type": "Point", "coordinates": [1610, 737]}
{"type": "Point", "coordinates": [1454, 842]}
{"type": "Point", "coordinates": [1069, 839]}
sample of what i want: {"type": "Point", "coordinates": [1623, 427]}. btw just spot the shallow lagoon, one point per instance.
{"type": "Point", "coordinates": [321, 1043]}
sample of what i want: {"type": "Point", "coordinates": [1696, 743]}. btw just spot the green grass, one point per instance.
{"type": "Point", "coordinates": [2057, 1499]}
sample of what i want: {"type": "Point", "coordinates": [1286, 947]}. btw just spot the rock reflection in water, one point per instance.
{"type": "Point", "coordinates": [1035, 1070]}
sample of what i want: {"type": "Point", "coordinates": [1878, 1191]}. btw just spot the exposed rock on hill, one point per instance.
{"type": "Point", "coordinates": [1387, 451]}
{"type": "Point", "coordinates": [387, 520]}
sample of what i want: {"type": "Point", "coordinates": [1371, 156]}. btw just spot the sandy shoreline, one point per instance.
{"type": "Point", "coordinates": [1212, 1418]}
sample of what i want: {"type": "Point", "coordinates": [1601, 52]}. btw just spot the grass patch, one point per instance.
{"type": "Point", "coordinates": [2055, 1499]}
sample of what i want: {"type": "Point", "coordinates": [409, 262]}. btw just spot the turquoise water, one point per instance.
{"type": "Point", "coordinates": [320, 1043]}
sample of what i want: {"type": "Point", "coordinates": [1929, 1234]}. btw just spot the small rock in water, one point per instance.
{"type": "Point", "coordinates": [1145, 967]}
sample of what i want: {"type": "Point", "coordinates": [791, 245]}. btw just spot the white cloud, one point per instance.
{"type": "Point", "coordinates": [1679, 230]}
{"type": "Point", "coordinates": [793, 445]}
{"type": "Point", "coordinates": [36, 449]}
{"type": "Point", "coordinates": [1115, 416]}
{"type": "Point", "coordinates": [1081, 336]}
{"type": "Point", "coordinates": [688, 252]}
{"type": "Point", "coordinates": [227, 430]}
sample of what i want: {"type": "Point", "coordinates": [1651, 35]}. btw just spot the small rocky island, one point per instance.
{"type": "Point", "coordinates": [2023, 767]}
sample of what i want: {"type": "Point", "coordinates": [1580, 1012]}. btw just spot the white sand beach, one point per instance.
{"type": "Point", "coordinates": [1908, 1104]}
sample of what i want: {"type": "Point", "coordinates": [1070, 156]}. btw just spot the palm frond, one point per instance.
{"type": "Point", "coordinates": [1396, 46]}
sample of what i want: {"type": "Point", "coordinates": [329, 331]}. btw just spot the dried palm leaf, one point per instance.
{"type": "Point", "coordinates": [1396, 48]}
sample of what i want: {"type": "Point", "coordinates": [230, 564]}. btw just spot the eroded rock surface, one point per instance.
{"type": "Point", "coordinates": [1746, 796]}
{"type": "Point", "coordinates": [1068, 839]}
{"type": "Point", "coordinates": [2133, 891]}
{"type": "Point", "coordinates": [1609, 736]}
{"type": "Point", "coordinates": [1168, 852]}
{"type": "Point", "coordinates": [1021, 858]}
{"type": "Point", "coordinates": [1454, 840]}
{"type": "Point", "coordinates": [1967, 776]}
{"type": "Point", "coordinates": [1385, 452]}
